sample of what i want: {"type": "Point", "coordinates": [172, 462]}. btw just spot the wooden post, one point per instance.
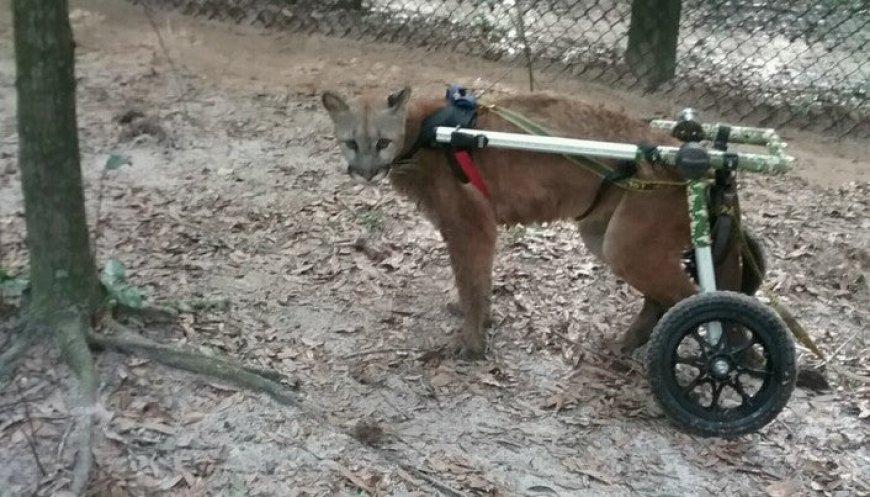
{"type": "Point", "coordinates": [652, 40]}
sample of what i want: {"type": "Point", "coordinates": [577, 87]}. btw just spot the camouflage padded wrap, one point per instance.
{"type": "Point", "coordinates": [755, 163]}
{"type": "Point", "coordinates": [699, 214]}
{"type": "Point", "coordinates": [775, 162]}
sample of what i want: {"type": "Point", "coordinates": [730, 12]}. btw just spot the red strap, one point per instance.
{"type": "Point", "coordinates": [467, 165]}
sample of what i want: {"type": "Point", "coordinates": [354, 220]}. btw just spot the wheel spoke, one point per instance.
{"type": "Point", "coordinates": [722, 343]}
{"type": "Point", "coordinates": [738, 387]}
{"type": "Point", "coordinates": [736, 351]}
{"type": "Point", "coordinates": [717, 391]}
{"type": "Point", "coordinates": [754, 372]}
{"type": "Point", "coordinates": [702, 344]}
{"type": "Point", "coordinates": [694, 383]}
{"type": "Point", "coordinates": [689, 361]}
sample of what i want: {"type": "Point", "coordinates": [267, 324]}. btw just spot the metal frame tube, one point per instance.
{"type": "Point", "coordinates": [550, 144]}
{"type": "Point", "coordinates": [760, 163]}
{"type": "Point", "coordinates": [699, 217]}
{"type": "Point", "coordinates": [706, 269]}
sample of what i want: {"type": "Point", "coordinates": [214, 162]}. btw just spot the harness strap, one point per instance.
{"type": "Point", "coordinates": [466, 164]}
{"type": "Point", "coordinates": [625, 170]}
{"type": "Point", "coordinates": [722, 200]}
{"type": "Point", "coordinates": [461, 112]}
{"type": "Point", "coordinates": [722, 231]}
{"type": "Point", "coordinates": [722, 136]}
{"type": "Point", "coordinates": [464, 116]}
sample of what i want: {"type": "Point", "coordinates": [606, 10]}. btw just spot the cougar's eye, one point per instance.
{"type": "Point", "coordinates": [383, 143]}
{"type": "Point", "coordinates": [351, 144]}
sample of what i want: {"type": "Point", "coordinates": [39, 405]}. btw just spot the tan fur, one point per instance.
{"type": "Point", "coordinates": [640, 235]}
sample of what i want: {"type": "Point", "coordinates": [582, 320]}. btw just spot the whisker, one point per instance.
{"type": "Point", "coordinates": [406, 162]}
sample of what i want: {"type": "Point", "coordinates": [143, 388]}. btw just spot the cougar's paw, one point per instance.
{"type": "Point", "coordinates": [470, 348]}
{"type": "Point", "coordinates": [629, 343]}
{"type": "Point", "coordinates": [453, 309]}
{"type": "Point", "coordinates": [470, 354]}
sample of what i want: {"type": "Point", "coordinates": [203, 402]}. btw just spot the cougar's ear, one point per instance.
{"type": "Point", "coordinates": [334, 103]}
{"type": "Point", "coordinates": [398, 100]}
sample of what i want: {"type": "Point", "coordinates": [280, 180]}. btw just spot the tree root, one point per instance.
{"type": "Point", "coordinates": [74, 335]}
{"type": "Point", "coordinates": [22, 337]}
{"type": "Point", "coordinates": [71, 333]}
{"type": "Point", "coordinates": [69, 328]}
{"type": "Point", "coordinates": [248, 377]}
{"type": "Point", "coordinates": [169, 311]}
{"type": "Point", "coordinates": [149, 312]}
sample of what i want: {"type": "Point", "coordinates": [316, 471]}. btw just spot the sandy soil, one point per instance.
{"type": "Point", "coordinates": [240, 196]}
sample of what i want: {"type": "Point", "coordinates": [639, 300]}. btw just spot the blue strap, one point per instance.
{"type": "Point", "coordinates": [458, 96]}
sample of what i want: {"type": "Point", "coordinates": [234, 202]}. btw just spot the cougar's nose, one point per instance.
{"type": "Point", "coordinates": [362, 172]}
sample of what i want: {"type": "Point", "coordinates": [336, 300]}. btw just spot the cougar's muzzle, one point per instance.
{"type": "Point", "coordinates": [372, 174]}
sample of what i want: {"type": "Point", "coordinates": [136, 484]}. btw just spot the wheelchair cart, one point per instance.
{"type": "Point", "coordinates": [719, 363]}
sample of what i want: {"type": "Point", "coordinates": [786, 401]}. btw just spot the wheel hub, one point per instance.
{"type": "Point", "coordinates": [720, 367]}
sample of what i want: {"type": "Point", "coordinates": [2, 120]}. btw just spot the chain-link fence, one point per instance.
{"type": "Point", "coordinates": [799, 63]}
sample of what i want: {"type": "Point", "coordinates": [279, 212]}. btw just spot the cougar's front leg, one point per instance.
{"type": "Point", "coordinates": [455, 310]}
{"type": "Point", "coordinates": [469, 229]}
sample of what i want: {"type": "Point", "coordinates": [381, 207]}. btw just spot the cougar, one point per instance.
{"type": "Point", "coordinates": [640, 235]}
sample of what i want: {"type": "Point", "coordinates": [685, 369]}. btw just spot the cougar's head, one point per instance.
{"type": "Point", "coordinates": [370, 132]}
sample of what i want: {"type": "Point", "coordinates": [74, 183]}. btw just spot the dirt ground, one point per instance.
{"type": "Point", "coordinates": [236, 191]}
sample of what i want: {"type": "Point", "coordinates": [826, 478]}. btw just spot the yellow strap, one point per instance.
{"type": "Point", "coordinates": [796, 328]}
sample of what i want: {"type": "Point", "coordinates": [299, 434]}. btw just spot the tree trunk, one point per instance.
{"type": "Point", "coordinates": [652, 40]}
{"type": "Point", "coordinates": [350, 4]}
{"type": "Point", "coordinates": [65, 290]}
{"type": "Point", "coordinates": [62, 269]}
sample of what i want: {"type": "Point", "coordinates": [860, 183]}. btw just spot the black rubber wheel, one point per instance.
{"type": "Point", "coordinates": [722, 390]}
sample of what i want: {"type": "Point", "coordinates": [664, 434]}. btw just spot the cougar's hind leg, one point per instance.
{"type": "Point", "coordinates": [752, 271]}
{"type": "Point", "coordinates": [641, 327]}
{"type": "Point", "coordinates": [643, 245]}
{"type": "Point", "coordinates": [663, 283]}
{"type": "Point", "coordinates": [593, 232]}
{"type": "Point", "coordinates": [468, 225]}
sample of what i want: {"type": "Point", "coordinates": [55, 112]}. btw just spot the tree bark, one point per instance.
{"type": "Point", "coordinates": [62, 269]}
{"type": "Point", "coordinates": [652, 40]}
